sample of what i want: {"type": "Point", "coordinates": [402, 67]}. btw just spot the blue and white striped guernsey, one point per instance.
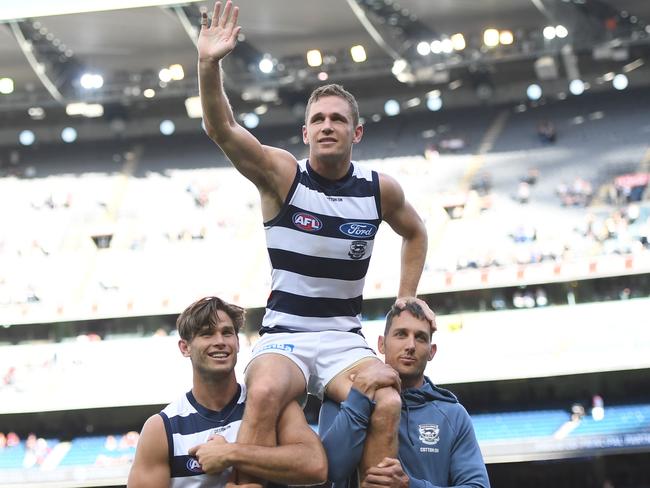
{"type": "Point", "coordinates": [320, 246]}
{"type": "Point", "coordinates": [187, 423]}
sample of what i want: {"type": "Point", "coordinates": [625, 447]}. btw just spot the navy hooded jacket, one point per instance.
{"type": "Point", "coordinates": [437, 444]}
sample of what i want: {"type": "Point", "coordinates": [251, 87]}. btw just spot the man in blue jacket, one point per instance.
{"type": "Point", "coordinates": [437, 444]}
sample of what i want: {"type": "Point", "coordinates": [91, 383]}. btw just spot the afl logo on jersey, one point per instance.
{"type": "Point", "coordinates": [193, 466]}
{"type": "Point", "coordinates": [358, 229]}
{"type": "Point", "coordinates": [307, 222]}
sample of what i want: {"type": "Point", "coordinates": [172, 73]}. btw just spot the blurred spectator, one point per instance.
{"type": "Point", "coordinates": [525, 298]}
{"type": "Point", "coordinates": [631, 187]}
{"type": "Point", "coordinates": [482, 184]}
{"type": "Point", "coordinates": [579, 193]}
{"type": "Point", "coordinates": [453, 144]}
{"type": "Point", "coordinates": [518, 299]}
{"type": "Point", "coordinates": [540, 297]}
{"type": "Point", "coordinates": [523, 192]}
{"type": "Point", "coordinates": [546, 132]}
{"type": "Point", "coordinates": [577, 412]}
{"type": "Point", "coordinates": [632, 212]}
{"type": "Point", "coordinates": [524, 233]}
{"type": "Point", "coordinates": [160, 332]}
{"type": "Point", "coordinates": [597, 408]}
{"type": "Point", "coordinates": [615, 224]}
{"type": "Point", "coordinates": [498, 301]}
{"type": "Point", "coordinates": [3, 440]}
{"type": "Point", "coordinates": [30, 442]}
{"type": "Point", "coordinates": [200, 196]}
{"type": "Point", "coordinates": [10, 377]}
{"type": "Point", "coordinates": [36, 450]}
{"type": "Point", "coordinates": [625, 294]}
{"type": "Point", "coordinates": [431, 152]}
{"type": "Point", "coordinates": [90, 337]}
{"type": "Point", "coordinates": [110, 444]}
{"type": "Point", "coordinates": [531, 176]}
{"type": "Point", "coordinates": [130, 439]}
{"type": "Point", "coordinates": [583, 191]}
{"type": "Point", "coordinates": [529, 299]}
{"type": "Point", "coordinates": [12, 439]}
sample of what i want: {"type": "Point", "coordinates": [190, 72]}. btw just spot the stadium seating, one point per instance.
{"type": "Point", "coordinates": [518, 425]}
{"type": "Point", "coordinates": [617, 420]}
{"type": "Point", "coordinates": [12, 457]}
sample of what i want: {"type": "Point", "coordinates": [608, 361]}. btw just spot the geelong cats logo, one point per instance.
{"type": "Point", "coordinates": [429, 433]}
{"type": "Point", "coordinates": [357, 249]}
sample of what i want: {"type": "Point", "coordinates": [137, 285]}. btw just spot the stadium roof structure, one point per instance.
{"type": "Point", "coordinates": [413, 50]}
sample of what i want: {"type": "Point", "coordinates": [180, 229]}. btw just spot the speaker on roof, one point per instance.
{"type": "Point", "coordinates": [102, 241]}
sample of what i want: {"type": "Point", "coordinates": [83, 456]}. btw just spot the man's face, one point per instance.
{"type": "Point", "coordinates": [407, 348]}
{"type": "Point", "coordinates": [213, 352]}
{"type": "Point", "coordinates": [330, 130]}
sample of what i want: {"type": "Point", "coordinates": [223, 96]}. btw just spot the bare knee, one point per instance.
{"type": "Point", "coordinates": [388, 405]}
{"type": "Point", "coordinates": [263, 398]}
{"type": "Point", "coordinates": [271, 383]}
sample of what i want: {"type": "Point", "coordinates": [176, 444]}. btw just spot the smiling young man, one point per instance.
{"type": "Point", "coordinates": [437, 445]}
{"type": "Point", "coordinates": [321, 216]}
{"type": "Point", "coordinates": [191, 442]}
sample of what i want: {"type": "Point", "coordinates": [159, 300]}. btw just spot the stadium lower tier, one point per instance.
{"type": "Point", "coordinates": [503, 437]}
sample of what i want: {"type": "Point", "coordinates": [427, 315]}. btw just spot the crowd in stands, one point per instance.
{"type": "Point", "coordinates": [11, 439]}
{"type": "Point", "coordinates": [578, 193]}
{"type": "Point", "coordinates": [208, 217]}
{"type": "Point", "coordinates": [508, 216]}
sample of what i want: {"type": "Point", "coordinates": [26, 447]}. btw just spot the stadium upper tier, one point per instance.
{"type": "Point", "coordinates": [143, 227]}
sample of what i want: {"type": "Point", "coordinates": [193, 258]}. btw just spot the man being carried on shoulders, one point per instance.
{"type": "Point", "coordinates": [321, 216]}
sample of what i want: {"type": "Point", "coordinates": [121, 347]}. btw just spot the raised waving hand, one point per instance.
{"type": "Point", "coordinates": [220, 37]}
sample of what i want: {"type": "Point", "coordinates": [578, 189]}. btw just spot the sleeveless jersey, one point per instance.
{"type": "Point", "coordinates": [187, 423]}
{"type": "Point", "coordinates": [320, 246]}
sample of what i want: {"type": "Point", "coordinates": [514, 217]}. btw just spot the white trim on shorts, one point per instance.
{"type": "Point", "coordinates": [321, 356]}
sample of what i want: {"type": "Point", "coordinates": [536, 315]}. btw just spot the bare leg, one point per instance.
{"type": "Point", "coordinates": [381, 439]}
{"type": "Point", "coordinates": [272, 381]}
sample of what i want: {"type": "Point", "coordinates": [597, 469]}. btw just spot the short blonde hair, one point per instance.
{"type": "Point", "coordinates": [334, 90]}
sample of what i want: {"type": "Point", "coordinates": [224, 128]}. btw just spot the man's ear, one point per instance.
{"type": "Point", "coordinates": [358, 134]}
{"type": "Point", "coordinates": [184, 346]}
{"type": "Point", "coordinates": [380, 345]}
{"type": "Point", "coordinates": [432, 352]}
{"type": "Point", "coordinates": [305, 139]}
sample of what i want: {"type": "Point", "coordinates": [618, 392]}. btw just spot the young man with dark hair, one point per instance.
{"type": "Point", "coordinates": [321, 216]}
{"type": "Point", "coordinates": [191, 442]}
{"type": "Point", "coordinates": [437, 445]}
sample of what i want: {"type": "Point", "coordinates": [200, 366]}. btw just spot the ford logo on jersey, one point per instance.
{"type": "Point", "coordinates": [193, 466]}
{"type": "Point", "coordinates": [358, 229]}
{"type": "Point", "coordinates": [305, 221]}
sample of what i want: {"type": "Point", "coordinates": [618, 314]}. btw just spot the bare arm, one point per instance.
{"type": "Point", "coordinates": [270, 169]}
{"type": "Point", "coordinates": [404, 220]}
{"type": "Point", "coordinates": [150, 467]}
{"type": "Point", "coordinates": [299, 459]}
